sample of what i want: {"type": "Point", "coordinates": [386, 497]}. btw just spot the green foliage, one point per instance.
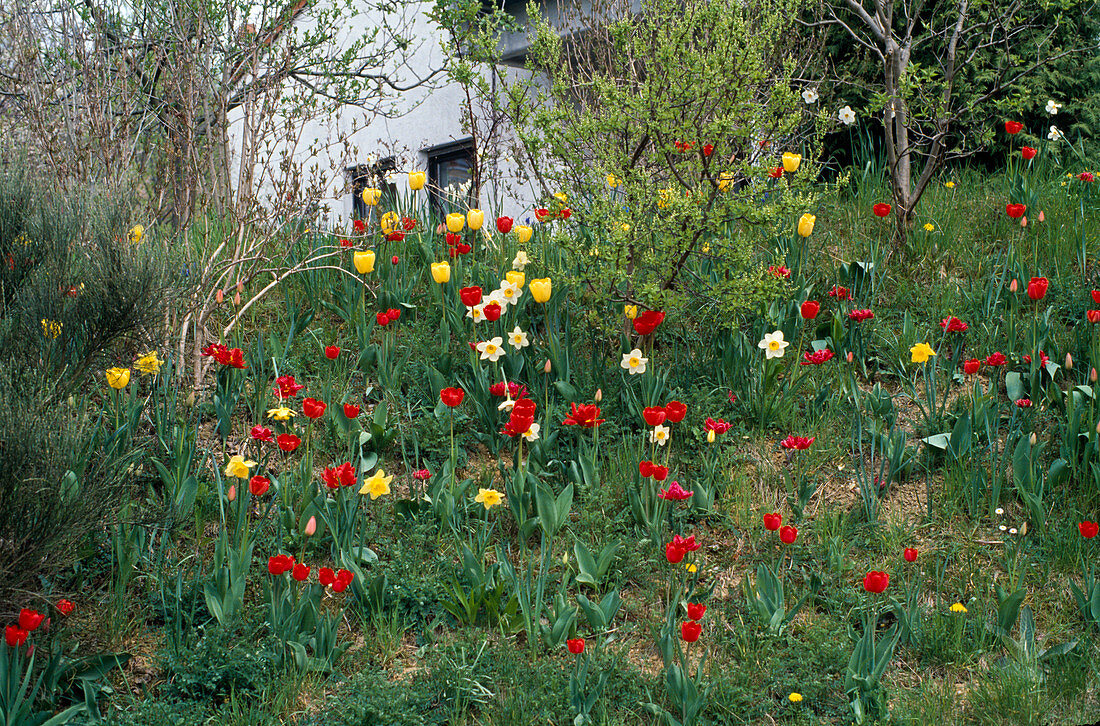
{"type": "Point", "coordinates": [660, 126]}
{"type": "Point", "coordinates": [215, 666]}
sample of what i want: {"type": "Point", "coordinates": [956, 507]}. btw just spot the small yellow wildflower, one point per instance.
{"type": "Point", "coordinates": [51, 328]}
{"type": "Point", "coordinates": [958, 608]}
{"type": "Point", "coordinates": [949, 185]}
{"type": "Point", "coordinates": [929, 227]}
{"type": "Point", "coordinates": [795, 698]}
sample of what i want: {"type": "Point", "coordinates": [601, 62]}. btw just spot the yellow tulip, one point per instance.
{"type": "Point", "coordinates": [455, 222]}
{"type": "Point", "coordinates": [118, 378]}
{"type": "Point", "coordinates": [441, 272]}
{"type": "Point", "coordinates": [475, 218]}
{"type": "Point", "coordinates": [560, 196]}
{"type": "Point", "coordinates": [540, 289]}
{"type": "Point", "coordinates": [371, 196]}
{"type": "Point", "coordinates": [724, 181]}
{"type": "Point", "coordinates": [791, 162]}
{"type": "Point", "coordinates": [137, 233]}
{"type": "Point", "coordinates": [630, 311]}
{"type": "Point", "coordinates": [515, 277]}
{"type": "Point", "coordinates": [806, 225]}
{"type": "Point", "coordinates": [416, 180]}
{"type": "Point", "coordinates": [523, 233]}
{"type": "Point", "coordinates": [364, 261]}
{"type": "Point", "coordinates": [389, 222]}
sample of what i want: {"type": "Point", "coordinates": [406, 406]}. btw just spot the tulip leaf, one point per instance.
{"type": "Point", "coordinates": [1014, 385]}
{"type": "Point", "coordinates": [938, 441]}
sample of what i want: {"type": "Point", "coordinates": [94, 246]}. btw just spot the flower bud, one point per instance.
{"type": "Point", "coordinates": [219, 296]}
{"type": "Point", "coordinates": [1098, 427]}
{"type": "Point", "coordinates": [1092, 376]}
{"type": "Point", "coordinates": [710, 436]}
{"type": "Point", "coordinates": [1042, 217]}
{"type": "Point", "coordinates": [849, 357]}
{"type": "Point", "coordinates": [1069, 362]}
{"type": "Point", "coordinates": [1014, 285]}
{"type": "Point", "coordinates": [236, 298]}
{"type": "Point", "coordinates": [599, 395]}
{"type": "Point", "coordinates": [546, 366]}
{"type": "Point", "coordinates": [240, 286]}
{"type": "Point", "coordinates": [232, 494]}
{"type": "Point", "coordinates": [1033, 439]}
{"type": "Point", "coordinates": [311, 527]}
{"type": "Point", "coordinates": [1023, 529]}
{"type": "Point", "coordinates": [1023, 221]}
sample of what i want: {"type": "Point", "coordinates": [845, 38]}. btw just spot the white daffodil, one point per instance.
{"type": "Point", "coordinates": [491, 349]}
{"type": "Point", "coordinates": [521, 261]}
{"type": "Point", "coordinates": [847, 116]}
{"type": "Point", "coordinates": [532, 433]}
{"type": "Point", "coordinates": [1052, 108]}
{"type": "Point", "coordinates": [809, 95]}
{"type": "Point", "coordinates": [496, 297]}
{"type": "Point", "coordinates": [660, 435]}
{"type": "Point", "coordinates": [518, 339]}
{"type": "Point", "coordinates": [634, 362]}
{"type": "Point", "coordinates": [1054, 134]}
{"type": "Point", "coordinates": [773, 345]}
{"type": "Point", "coordinates": [509, 292]}
{"type": "Point", "coordinates": [477, 312]}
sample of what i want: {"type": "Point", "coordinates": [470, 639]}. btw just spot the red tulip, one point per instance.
{"type": "Point", "coordinates": [1023, 403]}
{"type": "Point", "coordinates": [575, 645]}
{"type": "Point", "coordinates": [675, 411]}
{"type": "Point", "coordinates": [1015, 211]}
{"type": "Point", "coordinates": [300, 572]}
{"type": "Point", "coordinates": [798, 443]}
{"type": "Point", "coordinates": [345, 576]}
{"type": "Point", "coordinates": [351, 410]}
{"type": "Point", "coordinates": [422, 475]}
{"type": "Point", "coordinates": [788, 534]}
{"type": "Point", "coordinates": [776, 172]}
{"type": "Point", "coordinates": [690, 631]}
{"type": "Point", "coordinates": [674, 493]}
{"type": "Point", "coordinates": [504, 225]}
{"type": "Point", "coordinates": [1013, 127]}
{"type": "Point", "coordinates": [382, 319]}
{"type": "Point", "coordinates": [840, 293]}
{"type": "Point", "coordinates": [542, 213]}
{"type": "Point", "coordinates": [259, 485]}
{"type": "Point", "coordinates": [645, 468]}
{"type": "Point", "coordinates": [1028, 153]}
{"type": "Point", "coordinates": [65, 606]}
{"type": "Point", "coordinates": [330, 478]}
{"type": "Point", "coordinates": [810, 309]}
{"type": "Point", "coordinates": [521, 418]}
{"type": "Point", "coordinates": [346, 472]}
{"type": "Point", "coordinates": [470, 296]}
{"type": "Point", "coordinates": [953, 325]}
{"type": "Point", "coordinates": [29, 620]}
{"type": "Point", "coordinates": [326, 576]}
{"type": "Point", "coordinates": [1093, 316]}
{"type": "Point", "coordinates": [910, 554]}
{"type": "Point", "coordinates": [995, 359]}
{"type": "Point", "coordinates": [881, 209]}
{"type": "Point", "coordinates": [970, 367]}
{"type": "Point", "coordinates": [876, 582]}
{"type": "Point", "coordinates": [708, 149]}
{"type": "Point", "coordinates": [492, 311]}
{"type": "Point", "coordinates": [287, 387]}
{"type": "Point", "coordinates": [279, 564]}
{"type": "Point", "coordinates": [654, 415]}
{"type": "Point", "coordinates": [262, 433]}
{"type": "Point", "coordinates": [1088, 529]}
{"type": "Point", "coordinates": [773, 521]}
{"type": "Point", "coordinates": [359, 226]}
{"type": "Point", "coordinates": [288, 442]}
{"type": "Point", "coordinates": [696, 610]}
{"type": "Point", "coordinates": [451, 396]}
{"type": "Point", "coordinates": [1037, 288]}
{"type": "Point", "coordinates": [717, 426]}
{"type": "Point", "coordinates": [312, 408]}
{"type": "Point", "coordinates": [587, 416]}
{"type": "Point", "coordinates": [860, 315]}
{"type": "Point", "coordinates": [817, 357]}
{"type": "Point", "coordinates": [15, 636]}
{"type": "Point", "coordinates": [646, 322]}
{"type": "Point", "coordinates": [660, 473]}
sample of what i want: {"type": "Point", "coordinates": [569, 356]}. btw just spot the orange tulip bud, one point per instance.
{"type": "Point", "coordinates": [232, 494]}
{"type": "Point", "coordinates": [219, 296]}
{"type": "Point", "coordinates": [1014, 285]}
{"type": "Point", "coordinates": [311, 527]}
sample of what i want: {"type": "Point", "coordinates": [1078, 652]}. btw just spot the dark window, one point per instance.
{"type": "Point", "coordinates": [372, 176]}
{"type": "Point", "coordinates": [450, 169]}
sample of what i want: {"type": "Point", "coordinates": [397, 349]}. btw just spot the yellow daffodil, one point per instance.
{"type": "Point", "coordinates": [613, 181]}
{"type": "Point", "coordinates": [377, 485]}
{"type": "Point", "coordinates": [455, 222]}
{"type": "Point", "coordinates": [791, 162]}
{"type": "Point", "coordinates": [441, 272]}
{"type": "Point", "coordinates": [488, 498]}
{"type": "Point", "coordinates": [239, 467]}
{"type": "Point", "coordinates": [806, 225]}
{"type": "Point", "coordinates": [724, 181]}
{"type": "Point", "coordinates": [390, 222]}
{"type": "Point", "coordinates": [118, 378]}
{"type": "Point", "coordinates": [523, 233]}
{"type": "Point", "coordinates": [137, 234]}
{"type": "Point", "coordinates": [475, 218]}
{"type": "Point", "coordinates": [282, 413]}
{"type": "Point", "coordinates": [515, 277]}
{"type": "Point", "coordinates": [958, 608]}
{"type": "Point", "coordinates": [364, 261]}
{"type": "Point", "coordinates": [540, 289]}
{"type": "Point", "coordinates": [149, 363]}
{"type": "Point", "coordinates": [371, 196]}
{"type": "Point", "coordinates": [416, 180]}
{"type": "Point", "coordinates": [921, 352]}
